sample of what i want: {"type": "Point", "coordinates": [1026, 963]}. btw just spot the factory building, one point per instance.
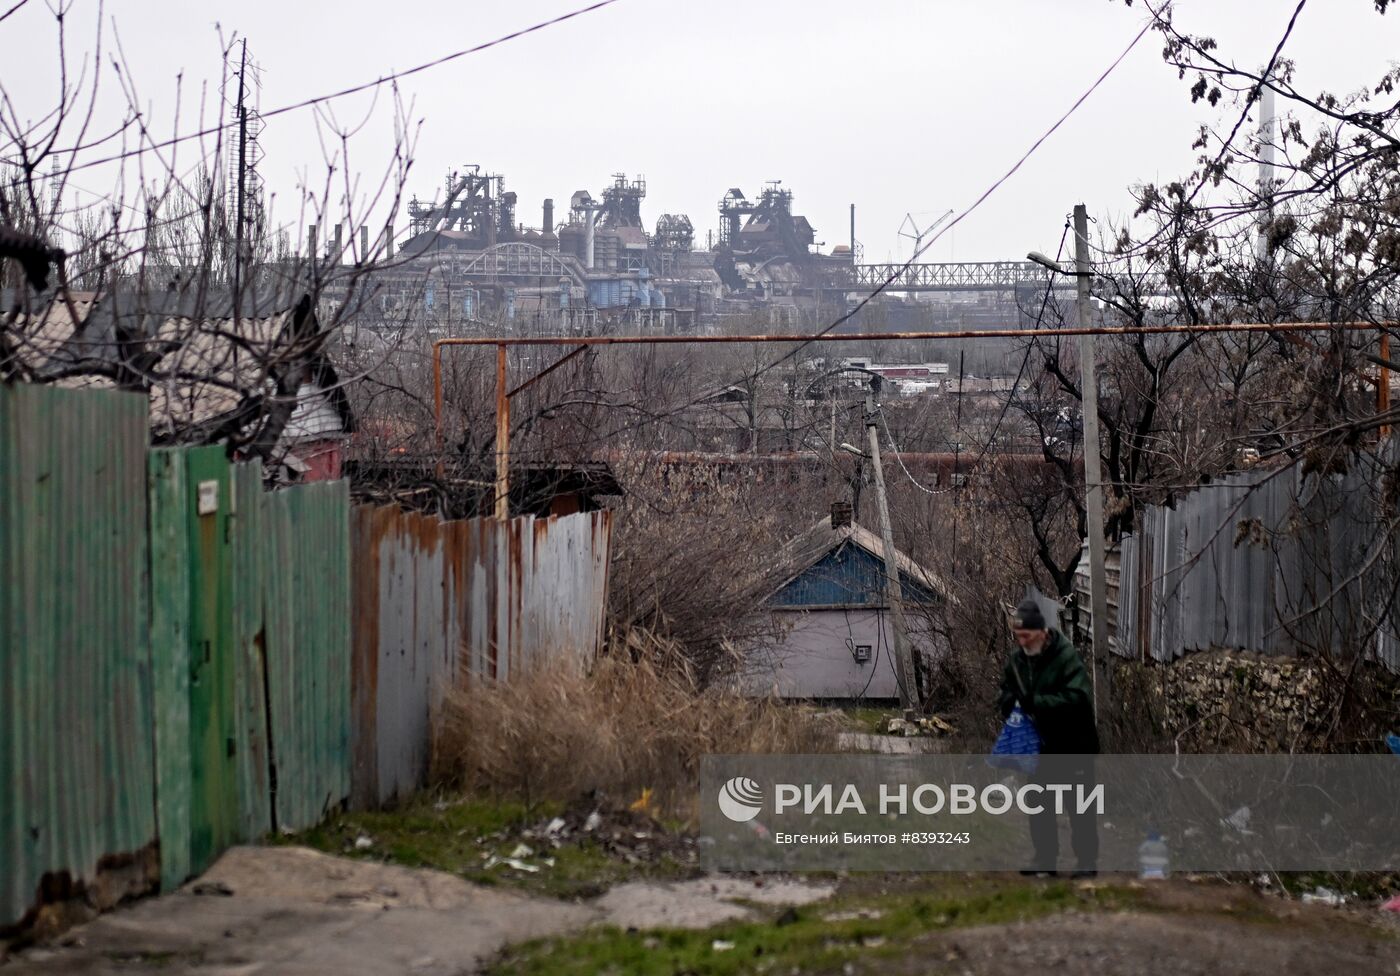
{"type": "Point", "coordinates": [471, 255]}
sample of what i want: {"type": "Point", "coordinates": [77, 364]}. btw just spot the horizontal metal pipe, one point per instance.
{"type": "Point", "coordinates": [1103, 330]}
{"type": "Point", "coordinates": [636, 340]}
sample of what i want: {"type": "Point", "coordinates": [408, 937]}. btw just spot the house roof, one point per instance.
{"type": "Point", "coordinates": [816, 543]}
{"type": "Point", "coordinates": [207, 360]}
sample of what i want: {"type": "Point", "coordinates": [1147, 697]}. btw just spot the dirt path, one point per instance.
{"type": "Point", "coordinates": [294, 911]}
{"type": "Point", "coordinates": [1149, 945]}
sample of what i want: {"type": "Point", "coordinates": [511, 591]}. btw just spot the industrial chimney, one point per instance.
{"type": "Point", "coordinates": [548, 226]}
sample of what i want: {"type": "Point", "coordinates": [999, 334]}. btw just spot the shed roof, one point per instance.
{"type": "Point", "coordinates": [821, 540]}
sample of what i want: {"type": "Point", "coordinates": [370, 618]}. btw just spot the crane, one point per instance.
{"type": "Point", "coordinates": [918, 235]}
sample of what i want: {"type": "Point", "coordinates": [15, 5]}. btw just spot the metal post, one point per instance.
{"type": "Point", "coordinates": [502, 436]}
{"type": "Point", "coordinates": [904, 662]}
{"type": "Point", "coordinates": [437, 403]}
{"type": "Point", "coordinates": [1093, 477]}
{"type": "Point", "coordinates": [238, 216]}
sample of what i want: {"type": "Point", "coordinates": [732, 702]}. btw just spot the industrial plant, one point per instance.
{"type": "Point", "coordinates": [473, 253]}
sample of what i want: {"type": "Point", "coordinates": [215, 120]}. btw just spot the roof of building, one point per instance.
{"type": "Point", "coordinates": [822, 542]}
{"type": "Point", "coordinates": [184, 345]}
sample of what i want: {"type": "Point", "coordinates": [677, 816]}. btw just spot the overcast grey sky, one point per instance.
{"type": "Point", "coordinates": [894, 105]}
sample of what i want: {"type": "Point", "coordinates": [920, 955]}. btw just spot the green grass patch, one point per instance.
{"type": "Point", "coordinates": [460, 835]}
{"type": "Point", "coordinates": [864, 718]}
{"type": "Point", "coordinates": [817, 938]}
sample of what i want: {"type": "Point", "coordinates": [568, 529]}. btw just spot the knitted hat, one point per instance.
{"type": "Point", "coordinates": [1027, 616]}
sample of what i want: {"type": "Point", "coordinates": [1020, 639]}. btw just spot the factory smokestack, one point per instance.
{"type": "Point", "coordinates": [548, 227]}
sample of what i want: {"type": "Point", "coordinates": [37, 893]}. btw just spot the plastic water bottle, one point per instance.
{"type": "Point", "coordinates": [1152, 857]}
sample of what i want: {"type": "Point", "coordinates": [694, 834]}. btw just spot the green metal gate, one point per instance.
{"type": "Point", "coordinates": [213, 772]}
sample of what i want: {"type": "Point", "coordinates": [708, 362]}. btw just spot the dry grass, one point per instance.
{"type": "Point", "coordinates": [625, 726]}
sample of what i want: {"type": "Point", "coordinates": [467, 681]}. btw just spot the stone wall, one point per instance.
{"type": "Point", "coordinates": [1239, 702]}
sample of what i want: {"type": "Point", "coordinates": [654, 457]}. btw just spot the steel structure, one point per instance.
{"type": "Point", "coordinates": [622, 202]}
{"type": "Point", "coordinates": [474, 203]}
{"type": "Point", "coordinates": [674, 232]}
{"type": "Point", "coordinates": [956, 276]}
{"type": "Point", "coordinates": [518, 260]}
{"type": "Point", "coordinates": [975, 276]}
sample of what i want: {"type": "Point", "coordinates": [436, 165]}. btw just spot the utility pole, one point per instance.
{"type": "Point", "coordinates": [904, 661]}
{"type": "Point", "coordinates": [502, 436]}
{"type": "Point", "coordinates": [1093, 477]}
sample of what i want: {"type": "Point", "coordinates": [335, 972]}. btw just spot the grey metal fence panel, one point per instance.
{"type": "Point", "coordinates": [441, 603]}
{"type": "Point", "coordinates": [1264, 561]}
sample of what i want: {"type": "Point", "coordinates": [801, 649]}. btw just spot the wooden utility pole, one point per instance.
{"type": "Point", "coordinates": [1093, 476]}
{"type": "Point", "coordinates": [904, 660]}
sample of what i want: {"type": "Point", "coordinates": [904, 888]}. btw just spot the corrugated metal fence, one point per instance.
{"type": "Point", "coordinates": [442, 602]}
{"type": "Point", "coordinates": [76, 769]}
{"type": "Point", "coordinates": [176, 666]}
{"type": "Point", "coordinates": [175, 651]}
{"type": "Point", "coordinates": [1265, 561]}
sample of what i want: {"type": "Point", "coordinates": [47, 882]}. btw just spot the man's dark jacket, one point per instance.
{"type": "Point", "coordinates": [1054, 690]}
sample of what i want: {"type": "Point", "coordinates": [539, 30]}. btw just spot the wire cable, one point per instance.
{"type": "Point", "coordinates": [6, 15]}
{"type": "Point", "coordinates": [320, 99]}
{"type": "Point", "coordinates": [1265, 79]}
{"type": "Point", "coordinates": [1025, 360]}
{"type": "Point", "coordinates": [890, 280]}
{"type": "Point", "coordinates": [802, 344]}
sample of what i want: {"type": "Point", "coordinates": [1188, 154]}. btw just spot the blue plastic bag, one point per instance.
{"type": "Point", "coordinates": [1018, 746]}
{"type": "Point", "coordinates": [1393, 741]}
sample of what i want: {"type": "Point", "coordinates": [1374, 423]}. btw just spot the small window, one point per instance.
{"type": "Point", "coordinates": [862, 653]}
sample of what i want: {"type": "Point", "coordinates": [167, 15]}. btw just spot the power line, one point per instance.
{"type": "Point", "coordinates": [355, 89]}
{"type": "Point", "coordinates": [6, 14]}
{"type": "Point", "coordinates": [1025, 360]}
{"type": "Point", "coordinates": [975, 204]}
{"type": "Point", "coordinates": [1166, 27]}
{"type": "Point", "coordinates": [1253, 96]}
{"type": "Point", "coordinates": [804, 341]}
{"type": "Point", "coordinates": [1045, 302]}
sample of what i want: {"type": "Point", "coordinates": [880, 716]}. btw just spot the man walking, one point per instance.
{"type": "Point", "coordinates": [1046, 676]}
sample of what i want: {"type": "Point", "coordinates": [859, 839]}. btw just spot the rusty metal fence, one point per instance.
{"type": "Point", "coordinates": [177, 668]}
{"type": "Point", "coordinates": [438, 603]}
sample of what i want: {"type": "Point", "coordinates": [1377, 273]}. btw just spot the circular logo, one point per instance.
{"type": "Point", "coordinates": [740, 799]}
